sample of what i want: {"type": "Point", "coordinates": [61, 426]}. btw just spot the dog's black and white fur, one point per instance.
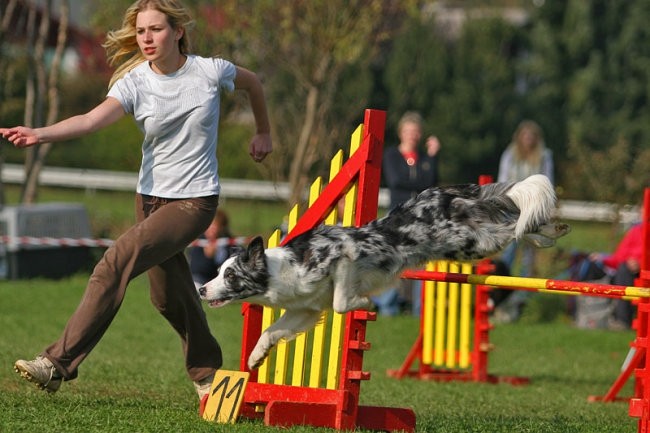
{"type": "Point", "coordinates": [340, 267]}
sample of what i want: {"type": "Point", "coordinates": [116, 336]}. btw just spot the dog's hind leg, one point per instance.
{"type": "Point", "coordinates": [346, 285]}
{"type": "Point", "coordinates": [287, 327]}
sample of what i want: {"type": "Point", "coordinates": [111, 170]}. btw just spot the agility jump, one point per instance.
{"type": "Point", "coordinates": [311, 394]}
{"type": "Point", "coordinates": [444, 283]}
{"type": "Point", "coordinates": [288, 403]}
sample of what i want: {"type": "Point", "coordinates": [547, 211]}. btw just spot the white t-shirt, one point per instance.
{"type": "Point", "coordinates": [179, 116]}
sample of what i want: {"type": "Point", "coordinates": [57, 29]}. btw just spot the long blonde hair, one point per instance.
{"type": "Point", "coordinates": [121, 45]}
{"type": "Point", "coordinates": [534, 155]}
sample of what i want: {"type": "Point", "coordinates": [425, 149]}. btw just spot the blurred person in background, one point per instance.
{"type": "Point", "coordinates": [214, 248]}
{"type": "Point", "coordinates": [524, 156]}
{"type": "Point", "coordinates": [408, 169]}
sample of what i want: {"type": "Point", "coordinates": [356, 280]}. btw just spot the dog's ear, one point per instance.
{"type": "Point", "coordinates": [236, 250]}
{"type": "Point", "coordinates": [255, 251]}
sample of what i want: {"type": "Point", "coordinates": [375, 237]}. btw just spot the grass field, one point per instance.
{"type": "Point", "coordinates": [134, 381]}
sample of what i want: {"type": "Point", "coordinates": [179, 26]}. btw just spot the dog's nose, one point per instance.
{"type": "Point", "coordinates": [202, 291]}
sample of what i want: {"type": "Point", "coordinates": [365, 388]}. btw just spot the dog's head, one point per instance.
{"type": "Point", "coordinates": [241, 277]}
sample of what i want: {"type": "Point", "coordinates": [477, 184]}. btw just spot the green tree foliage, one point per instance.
{"type": "Point", "coordinates": [480, 108]}
{"type": "Point", "coordinates": [464, 88]}
{"type": "Point", "coordinates": [590, 80]}
{"type": "Point", "coordinates": [416, 69]}
{"type": "Point", "coordinates": [580, 68]}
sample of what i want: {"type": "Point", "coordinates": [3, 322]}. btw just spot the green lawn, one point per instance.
{"type": "Point", "coordinates": [134, 381]}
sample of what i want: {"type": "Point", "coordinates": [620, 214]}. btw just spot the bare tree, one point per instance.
{"type": "Point", "coordinates": [5, 21]}
{"type": "Point", "coordinates": [308, 52]}
{"type": "Point", "coordinates": [42, 82]}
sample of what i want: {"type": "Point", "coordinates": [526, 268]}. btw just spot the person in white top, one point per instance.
{"type": "Point", "coordinates": [174, 97]}
{"type": "Point", "coordinates": [526, 155]}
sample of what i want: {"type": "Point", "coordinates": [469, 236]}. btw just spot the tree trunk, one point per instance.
{"type": "Point", "coordinates": [297, 175]}
{"type": "Point", "coordinates": [7, 14]}
{"type": "Point", "coordinates": [49, 83]}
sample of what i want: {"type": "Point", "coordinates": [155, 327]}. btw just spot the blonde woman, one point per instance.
{"type": "Point", "coordinates": [174, 97]}
{"type": "Point", "coordinates": [525, 155]}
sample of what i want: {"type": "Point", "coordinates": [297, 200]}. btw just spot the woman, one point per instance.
{"type": "Point", "coordinates": [525, 155]}
{"type": "Point", "coordinates": [408, 170]}
{"type": "Point", "coordinates": [174, 98]}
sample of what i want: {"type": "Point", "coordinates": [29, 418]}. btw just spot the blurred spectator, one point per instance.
{"type": "Point", "coordinates": [206, 258]}
{"type": "Point", "coordinates": [408, 170]}
{"type": "Point", "coordinates": [525, 155]}
{"type": "Point", "coordinates": [620, 268]}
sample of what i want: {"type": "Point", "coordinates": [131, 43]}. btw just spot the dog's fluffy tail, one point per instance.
{"type": "Point", "coordinates": [535, 198]}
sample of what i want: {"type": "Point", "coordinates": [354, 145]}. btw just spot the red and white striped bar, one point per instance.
{"type": "Point", "coordinates": [88, 242]}
{"type": "Point", "coordinates": [534, 284]}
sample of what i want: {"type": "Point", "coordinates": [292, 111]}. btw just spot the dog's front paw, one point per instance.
{"type": "Point", "coordinates": [562, 229]}
{"type": "Point", "coordinates": [554, 230]}
{"type": "Point", "coordinates": [343, 305]}
{"type": "Point", "coordinates": [256, 359]}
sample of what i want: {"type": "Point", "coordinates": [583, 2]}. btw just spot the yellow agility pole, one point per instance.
{"type": "Point", "coordinates": [268, 317]}
{"type": "Point", "coordinates": [446, 318]}
{"type": "Point", "coordinates": [427, 307]}
{"type": "Point", "coordinates": [282, 349]}
{"type": "Point", "coordinates": [318, 345]}
{"type": "Point", "coordinates": [441, 309]}
{"type": "Point", "coordinates": [465, 319]}
{"type": "Point", "coordinates": [338, 320]}
{"type": "Point", "coordinates": [452, 318]}
{"type": "Point", "coordinates": [300, 345]}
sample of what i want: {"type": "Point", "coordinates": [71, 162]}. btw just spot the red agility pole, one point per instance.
{"type": "Point", "coordinates": [640, 363]}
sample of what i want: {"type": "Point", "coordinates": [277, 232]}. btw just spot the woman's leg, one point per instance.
{"type": "Point", "coordinates": [172, 289]}
{"type": "Point", "coordinates": [150, 242]}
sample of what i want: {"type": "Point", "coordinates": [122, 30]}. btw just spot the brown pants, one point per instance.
{"type": "Point", "coordinates": [154, 244]}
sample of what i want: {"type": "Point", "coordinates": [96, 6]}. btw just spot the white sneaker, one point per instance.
{"type": "Point", "coordinates": [203, 386]}
{"type": "Point", "coordinates": [40, 371]}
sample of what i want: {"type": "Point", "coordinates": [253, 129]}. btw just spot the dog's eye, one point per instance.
{"type": "Point", "coordinates": [229, 275]}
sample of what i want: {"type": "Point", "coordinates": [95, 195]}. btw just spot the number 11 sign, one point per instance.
{"type": "Point", "coordinates": [226, 396]}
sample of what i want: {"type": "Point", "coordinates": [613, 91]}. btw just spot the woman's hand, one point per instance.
{"type": "Point", "coordinates": [433, 145]}
{"type": "Point", "coordinates": [20, 136]}
{"type": "Point", "coordinates": [260, 146]}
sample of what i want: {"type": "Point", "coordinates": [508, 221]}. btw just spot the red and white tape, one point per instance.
{"type": "Point", "coordinates": [88, 242]}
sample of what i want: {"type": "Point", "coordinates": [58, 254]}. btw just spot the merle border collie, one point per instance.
{"type": "Point", "coordinates": [339, 268]}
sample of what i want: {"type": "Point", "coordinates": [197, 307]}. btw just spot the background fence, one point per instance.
{"type": "Point", "coordinates": [264, 190]}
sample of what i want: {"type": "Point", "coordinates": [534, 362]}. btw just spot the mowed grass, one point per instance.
{"type": "Point", "coordinates": [134, 380]}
